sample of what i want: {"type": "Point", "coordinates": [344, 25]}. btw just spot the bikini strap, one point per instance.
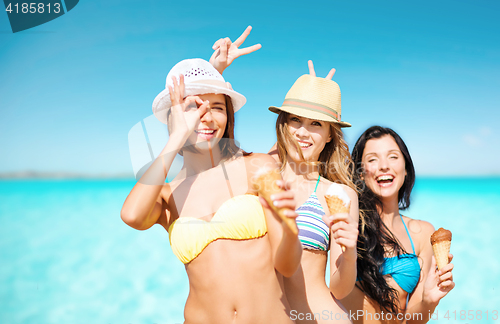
{"type": "Point", "coordinates": [407, 232]}
{"type": "Point", "coordinates": [317, 183]}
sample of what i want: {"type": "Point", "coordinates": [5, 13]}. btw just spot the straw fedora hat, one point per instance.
{"type": "Point", "coordinates": [314, 98]}
{"type": "Point", "coordinates": [200, 77]}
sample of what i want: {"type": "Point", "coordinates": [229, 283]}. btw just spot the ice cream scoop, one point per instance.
{"type": "Point", "coordinates": [441, 242]}
{"type": "Point", "coordinates": [338, 201]}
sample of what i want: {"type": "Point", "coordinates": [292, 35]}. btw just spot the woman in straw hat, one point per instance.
{"type": "Point", "coordinates": [314, 157]}
{"type": "Point", "coordinates": [230, 245]}
{"type": "Point", "coordinates": [397, 275]}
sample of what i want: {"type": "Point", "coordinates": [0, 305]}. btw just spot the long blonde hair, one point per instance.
{"type": "Point", "coordinates": [334, 161]}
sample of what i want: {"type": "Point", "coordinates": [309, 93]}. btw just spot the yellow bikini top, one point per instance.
{"type": "Point", "coordinates": [239, 218]}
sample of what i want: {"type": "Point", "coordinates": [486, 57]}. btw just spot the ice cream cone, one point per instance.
{"type": "Point", "coordinates": [265, 184]}
{"type": "Point", "coordinates": [441, 242]}
{"type": "Point", "coordinates": [337, 205]}
{"type": "Point", "coordinates": [338, 201]}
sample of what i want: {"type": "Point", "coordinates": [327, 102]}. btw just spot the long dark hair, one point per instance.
{"type": "Point", "coordinates": [375, 239]}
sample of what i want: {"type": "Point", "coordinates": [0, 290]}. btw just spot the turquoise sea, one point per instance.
{"type": "Point", "coordinates": [66, 256]}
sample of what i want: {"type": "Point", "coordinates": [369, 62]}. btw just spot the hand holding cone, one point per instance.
{"type": "Point", "coordinates": [265, 184]}
{"type": "Point", "coordinates": [441, 242]}
{"type": "Point", "coordinates": [338, 201]}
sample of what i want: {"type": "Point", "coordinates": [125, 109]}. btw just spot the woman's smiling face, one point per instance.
{"type": "Point", "coordinates": [384, 167]}
{"type": "Point", "coordinates": [312, 136]}
{"type": "Point", "coordinates": [213, 123]}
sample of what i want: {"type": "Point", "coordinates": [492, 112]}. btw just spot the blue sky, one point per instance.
{"type": "Point", "coordinates": [71, 89]}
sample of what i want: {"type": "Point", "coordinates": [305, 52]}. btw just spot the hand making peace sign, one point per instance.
{"type": "Point", "coordinates": [225, 51]}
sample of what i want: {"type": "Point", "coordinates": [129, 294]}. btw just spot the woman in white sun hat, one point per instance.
{"type": "Point", "coordinates": [231, 246]}
{"type": "Point", "coordinates": [314, 159]}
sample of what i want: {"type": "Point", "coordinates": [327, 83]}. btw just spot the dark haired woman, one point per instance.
{"type": "Point", "coordinates": [397, 276]}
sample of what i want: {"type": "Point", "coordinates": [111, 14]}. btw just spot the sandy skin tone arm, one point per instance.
{"type": "Point", "coordinates": [286, 248]}
{"type": "Point", "coordinates": [383, 157]}
{"type": "Point", "coordinates": [287, 251]}
{"type": "Point", "coordinates": [147, 203]}
{"type": "Point", "coordinates": [144, 205]}
{"type": "Point", "coordinates": [434, 284]}
{"type": "Point", "coordinates": [225, 52]}
{"type": "Point", "coordinates": [343, 232]}
{"type": "Point", "coordinates": [345, 228]}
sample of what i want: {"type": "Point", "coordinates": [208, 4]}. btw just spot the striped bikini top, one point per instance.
{"type": "Point", "coordinates": [314, 234]}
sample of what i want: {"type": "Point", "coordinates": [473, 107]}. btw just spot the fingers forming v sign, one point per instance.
{"type": "Point", "coordinates": [225, 51]}
{"type": "Point", "coordinates": [313, 73]}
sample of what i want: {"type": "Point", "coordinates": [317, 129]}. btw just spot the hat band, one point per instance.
{"type": "Point", "coordinates": [216, 83]}
{"type": "Point", "coordinates": [312, 106]}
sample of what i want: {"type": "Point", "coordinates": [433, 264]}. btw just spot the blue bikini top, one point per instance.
{"type": "Point", "coordinates": [404, 268]}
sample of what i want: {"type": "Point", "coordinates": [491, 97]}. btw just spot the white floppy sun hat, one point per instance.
{"type": "Point", "coordinates": [200, 77]}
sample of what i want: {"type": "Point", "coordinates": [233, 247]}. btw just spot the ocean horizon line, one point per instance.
{"type": "Point", "coordinates": [26, 175]}
{"type": "Point", "coordinates": [64, 175]}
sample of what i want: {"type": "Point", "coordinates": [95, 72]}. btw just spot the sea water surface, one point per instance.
{"type": "Point", "coordinates": [66, 256]}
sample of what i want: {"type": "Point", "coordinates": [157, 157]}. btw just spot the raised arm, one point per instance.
{"type": "Point", "coordinates": [285, 244]}
{"type": "Point", "coordinates": [433, 285]}
{"type": "Point", "coordinates": [225, 51]}
{"type": "Point", "coordinates": [343, 233]}
{"type": "Point", "coordinates": [146, 203]}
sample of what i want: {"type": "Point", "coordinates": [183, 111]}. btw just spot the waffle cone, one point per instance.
{"type": "Point", "coordinates": [441, 250]}
{"type": "Point", "coordinates": [266, 186]}
{"type": "Point", "coordinates": [336, 205]}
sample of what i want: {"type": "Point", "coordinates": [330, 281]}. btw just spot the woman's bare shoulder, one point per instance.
{"type": "Point", "coordinates": [349, 190]}
{"type": "Point", "coordinates": [421, 232]}
{"type": "Point", "coordinates": [419, 227]}
{"type": "Point", "coordinates": [257, 161]}
{"type": "Point", "coordinates": [274, 154]}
